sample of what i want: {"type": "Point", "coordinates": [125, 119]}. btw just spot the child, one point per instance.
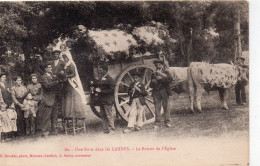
{"type": "Point", "coordinates": [30, 109]}
{"type": "Point", "coordinates": [13, 117]}
{"type": "Point", "coordinates": [6, 125]}
{"type": "Point", "coordinates": [137, 101]}
{"type": "Point", "coordinates": [35, 88]}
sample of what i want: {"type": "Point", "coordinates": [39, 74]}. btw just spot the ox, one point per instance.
{"type": "Point", "coordinates": [221, 77]}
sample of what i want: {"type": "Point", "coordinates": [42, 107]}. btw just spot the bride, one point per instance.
{"type": "Point", "coordinates": [73, 99]}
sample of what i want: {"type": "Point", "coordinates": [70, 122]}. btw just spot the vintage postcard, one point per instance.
{"type": "Point", "coordinates": [146, 83]}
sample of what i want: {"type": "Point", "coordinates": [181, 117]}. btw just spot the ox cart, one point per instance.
{"type": "Point", "coordinates": [122, 76]}
{"type": "Point", "coordinates": [125, 51]}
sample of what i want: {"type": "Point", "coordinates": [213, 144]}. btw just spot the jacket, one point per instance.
{"type": "Point", "coordinates": [36, 91]}
{"type": "Point", "coordinates": [49, 86]}
{"type": "Point", "coordinates": [134, 93]}
{"type": "Point", "coordinates": [58, 68]}
{"type": "Point", "coordinates": [107, 86]}
{"type": "Point", "coordinates": [163, 83]}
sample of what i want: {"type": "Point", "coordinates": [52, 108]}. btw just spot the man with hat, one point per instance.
{"type": "Point", "coordinates": [136, 92]}
{"type": "Point", "coordinates": [57, 68]}
{"type": "Point", "coordinates": [160, 82]}
{"type": "Point", "coordinates": [105, 92]}
{"type": "Point", "coordinates": [57, 64]}
{"type": "Point", "coordinates": [240, 86]}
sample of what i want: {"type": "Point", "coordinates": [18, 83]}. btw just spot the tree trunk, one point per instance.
{"type": "Point", "coordinates": [238, 47]}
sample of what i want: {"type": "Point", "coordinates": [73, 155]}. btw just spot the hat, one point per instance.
{"type": "Point", "coordinates": [34, 75]}
{"type": "Point", "coordinates": [56, 51]}
{"type": "Point", "coordinates": [158, 61]}
{"type": "Point", "coordinates": [2, 73]}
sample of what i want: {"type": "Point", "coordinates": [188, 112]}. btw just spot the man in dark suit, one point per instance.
{"type": "Point", "coordinates": [160, 82]}
{"type": "Point", "coordinates": [47, 113]}
{"type": "Point", "coordinates": [105, 91]}
{"type": "Point", "coordinates": [240, 89]}
{"type": "Point", "coordinates": [57, 64]}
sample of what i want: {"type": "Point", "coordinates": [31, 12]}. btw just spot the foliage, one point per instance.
{"type": "Point", "coordinates": [29, 27]}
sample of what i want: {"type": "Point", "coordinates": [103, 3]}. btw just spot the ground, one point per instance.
{"type": "Point", "coordinates": [214, 137]}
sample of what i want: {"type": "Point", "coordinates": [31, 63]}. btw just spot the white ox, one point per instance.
{"type": "Point", "coordinates": [221, 77]}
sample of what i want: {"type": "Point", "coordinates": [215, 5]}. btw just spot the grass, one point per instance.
{"type": "Point", "coordinates": [213, 122]}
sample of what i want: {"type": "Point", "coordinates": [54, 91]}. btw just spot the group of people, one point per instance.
{"type": "Point", "coordinates": [160, 82]}
{"type": "Point", "coordinates": [161, 90]}
{"type": "Point", "coordinates": [34, 108]}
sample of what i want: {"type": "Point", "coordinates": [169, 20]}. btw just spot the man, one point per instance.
{"type": "Point", "coordinates": [105, 91]}
{"type": "Point", "coordinates": [57, 64]}
{"type": "Point", "coordinates": [240, 86]}
{"type": "Point", "coordinates": [47, 113]}
{"type": "Point", "coordinates": [160, 82]}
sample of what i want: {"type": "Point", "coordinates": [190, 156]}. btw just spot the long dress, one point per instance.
{"type": "Point", "coordinates": [72, 106]}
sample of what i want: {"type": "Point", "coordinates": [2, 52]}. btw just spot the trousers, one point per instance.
{"type": "Point", "coordinates": [240, 93]}
{"type": "Point", "coordinates": [107, 117]}
{"type": "Point", "coordinates": [136, 114]}
{"type": "Point", "coordinates": [161, 98]}
{"type": "Point", "coordinates": [47, 117]}
{"type": "Point", "coordinates": [30, 124]}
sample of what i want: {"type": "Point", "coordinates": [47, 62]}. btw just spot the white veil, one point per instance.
{"type": "Point", "coordinates": [75, 81]}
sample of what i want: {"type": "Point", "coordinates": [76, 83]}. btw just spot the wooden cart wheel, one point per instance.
{"type": "Point", "coordinates": [95, 109]}
{"type": "Point", "coordinates": [121, 92]}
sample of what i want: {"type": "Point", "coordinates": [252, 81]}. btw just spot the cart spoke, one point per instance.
{"type": "Point", "coordinates": [130, 76]}
{"type": "Point", "coordinates": [144, 116]}
{"type": "Point", "coordinates": [124, 84]}
{"type": "Point", "coordinates": [150, 109]}
{"type": "Point", "coordinates": [124, 98]}
{"type": "Point", "coordinates": [144, 76]}
{"type": "Point", "coordinates": [148, 84]}
{"type": "Point", "coordinates": [126, 101]}
{"type": "Point", "coordinates": [128, 111]}
{"type": "Point", "coordinates": [150, 100]}
{"type": "Point", "coordinates": [122, 94]}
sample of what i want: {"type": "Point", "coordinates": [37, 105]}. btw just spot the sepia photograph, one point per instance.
{"type": "Point", "coordinates": [146, 83]}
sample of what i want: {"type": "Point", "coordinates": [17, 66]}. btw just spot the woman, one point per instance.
{"type": "Point", "coordinates": [72, 101]}
{"type": "Point", "coordinates": [19, 92]}
{"type": "Point", "coordinates": [5, 95]}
